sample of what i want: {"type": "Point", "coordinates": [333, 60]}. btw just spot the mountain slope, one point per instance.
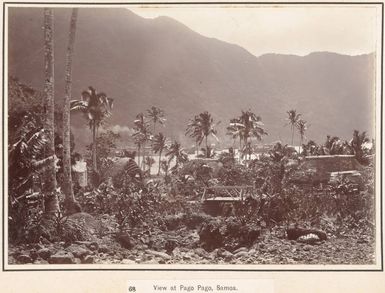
{"type": "Point", "coordinates": [142, 62]}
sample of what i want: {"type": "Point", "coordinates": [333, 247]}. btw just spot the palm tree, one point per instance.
{"type": "Point", "coordinates": [142, 134]}
{"type": "Point", "coordinates": [293, 118]}
{"type": "Point", "coordinates": [201, 127]}
{"type": "Point", "coordinates": [156, 115]}
{"type": "Point", "coordinates": [235, 129]}
{"type": "Point", "coordinates": [159, 143]}
{"type": "Point", "coordinates": [71, 205]}
{"type": "Point", "coordinates": [97, 107]}
{"type": "Point", "coordinates": [176, 152]}
{"type": "Point", "coordinates": [52, 202]}
{"type": "Point", "coordinates": [252, 126]}
{"type": "Point", "coordinates": [302, 127]}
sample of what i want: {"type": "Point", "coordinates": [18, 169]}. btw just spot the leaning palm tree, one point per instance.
{"type": "Point", "coordinates": [156, 115]}
{"type": "Point", "coordinates": [302, 127]}
{"type": "Point", "coordinates": [176, 152]}
{"type": "Point", "coordinates": [292, 118]}
{"type": "Point", "coordinates": [201, 127]}
{"type": "Point", "coordinates": [70, 203]}
{"type": "Point", "coordinates": [97, 107]}
{"type": "Point", "coordinates": [159, 144]}
{"type": "Point", "coordinates": [52, 202]}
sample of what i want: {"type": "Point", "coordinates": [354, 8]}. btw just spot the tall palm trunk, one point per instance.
{"type": "Point", "coordinates": [159, 160]}
{"type": "Point", "coordinates": [94, 162]}
{"type": "Point", "coordinates": [52, 202]}
{"type": "Point", "coordinates": [292, 134]}
{"type": "Point", "coordinates": [139, 155]}
{"type": "Point", "coordinates": [207, 148]}
{"type": "Point", "coordinates": [70, 203]}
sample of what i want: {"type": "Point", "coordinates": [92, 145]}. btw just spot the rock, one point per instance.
{"type": "Point", "coordinates": [241, 254]}
{"type": "Point", "coordinates": [88, 259]}
{"type": "Point", "coordinates": [309, 238]}
{"type": "Point", "coordinates": [125, 241]}
{"type": "Point", "coordinates": [78, 251]}
{"type": "Point", "coordinates": [62, 257]}
{"type": "Point", "coordinates": [78, 261]}
{"type": "Point", "coordinates": [296, 232]}
{"type": "Point", "coordinates": [170, 245]}
{"type": "Point", "coordinates": [176, 253]}
{"type": "Point", "coordinates": [128, 262]}
{"type": "Point", "coordinates": [94, 246]}
{"type": "Point", "coordinates": [40, 262]}
{"type": "Point", "coordinates": [202, 253]}
{"type": "Point", "coordinates": [158, 253]}
{"type": "Point", "coordinates": [44, 253]}
{"type": "Point", "coordinates": [104, 249]}
{"type": "Point", "coordinates": [24, 258]}
{"type": "Point", "coordinates": [240, 249]}
{"type": "Point", "coordinates": [33, 254]}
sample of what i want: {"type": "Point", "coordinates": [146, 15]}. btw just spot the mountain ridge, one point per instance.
{"type": "Point", "coordinates": [142, 62]}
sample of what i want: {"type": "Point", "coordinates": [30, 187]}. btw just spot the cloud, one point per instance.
{"type": "Point", "coordinates": [122, 129]}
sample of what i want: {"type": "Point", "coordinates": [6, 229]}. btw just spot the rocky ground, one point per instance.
{"type": "Point", "coordinates": [183, 245]}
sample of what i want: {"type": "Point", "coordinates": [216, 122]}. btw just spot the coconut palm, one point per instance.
{"type": "Point", "coordinates": [235, 130]}
{"type": "Point", "coordinates": [159, 143]}
{"type": "Point", "coordinates": [176, 152]}
{"type": "Point", "coordinates": [52, 202]}
{"type": "Point", "coordinates": [97, 107]}
{"type": "Point", "coordinates": [293, 119]}
{"type": "Point", "coordinates": [70, 202]}
{"type": "Point", "coordinates": [201, 127]}
{"type": "Point", "coordinates": [252, 126]}
{"type": "Point", "coordinates": [156, 115]}
{"type": "Point", "coordinates": [302, 127]}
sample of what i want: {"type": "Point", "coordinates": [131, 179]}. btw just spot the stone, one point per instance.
{"type": "Point", "coordinates": [94, 246]}
{"type": "Point", "coordinates": [128, 262]}
{"type": "Point", "coordinates": [44, 253]}
{"type": "Point", "coordinates": [62, 257]}
{"type": "Point", "coordinates": [24, 258]}
{"type": "Point", "coordinates": [158, 253]}
{"type": "Point", "coordinates": [240, 249]}
{"type": "Point", "coordinates": [104, 249]}
{"type": "Point", "coordinates": [78, 251]}
{"type": "Point", "coordinates": [202, 253]}
{"type": "Point", "coordinates": [40, 262]}
{"type": "Point", "coordinates": [88, 259]}
{"type": "Point", "coordinates": [125, 241]}
{"type": "Point", "coordinates": [241, 254]}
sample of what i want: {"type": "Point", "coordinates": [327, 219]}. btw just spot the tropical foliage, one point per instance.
{"type": "Point", "coordinates": [201, 127]}
{"type": "Point", "coordinates": [96, 107]}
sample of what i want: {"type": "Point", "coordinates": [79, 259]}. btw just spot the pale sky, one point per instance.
{"type": "Point", "coordinates": [351, 30]}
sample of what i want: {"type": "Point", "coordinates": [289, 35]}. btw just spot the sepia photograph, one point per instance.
{"type": "Point", "coordinates": [198, 136]}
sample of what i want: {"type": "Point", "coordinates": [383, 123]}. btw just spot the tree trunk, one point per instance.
{"type": "Point", "coordinates": [94, 162]}
{"type": "Point", "coordinates": [160, 156]}
{"type": "Point", "coordinates": [70, 203]}
{"type": "Point", "coordinates": [139, 147]}
{"type": "Point", "coordinates": [52, 201]}
{"type": "Point", "coordinates": [292, 134]}
{"type": "Point", "coordinates": [207, 149]}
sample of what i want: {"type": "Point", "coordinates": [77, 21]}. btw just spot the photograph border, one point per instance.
{"type": "Point", "coordinates": [201, 268]}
